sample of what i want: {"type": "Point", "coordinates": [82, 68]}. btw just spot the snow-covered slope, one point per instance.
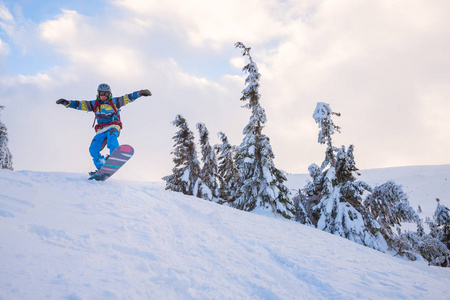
{"type": "Point", "coordinates": [64, 237]}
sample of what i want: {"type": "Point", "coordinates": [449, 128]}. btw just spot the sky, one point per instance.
{"type": "Point", "coordinates": [383, 65]}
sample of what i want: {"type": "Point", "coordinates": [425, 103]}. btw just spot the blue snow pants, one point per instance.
{"type": "Point", "coordinates": [107, 138]}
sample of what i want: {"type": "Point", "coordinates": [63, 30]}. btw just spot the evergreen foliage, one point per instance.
{"type": "Point", "coordinates": [209, 173]}
{"type": "Point", "coordinates": [332, 201]}
{"type": "Point", "coordinates": [186, 173]}
{"type": "Point", "coordinates": [389, 205]}
{"type": "Point", "coordinates": [302, 208]}
{"type": "Point", "coordinates": [346, 169]}
{"type": "Point", "coordinates": [5, 154]}
{"type": "Point", "coordinates": [322, 115]}
{"type": "Point", "coordinates": [335, 194]}
{"type": "Point", "coordinates": [412, 245]}
{"type": "Point", "coordinates": [227, 169]}
{"type": "Point", "coordinates": [440, 225]}
{"type": "Point", "coordinates": [433, 250]}
{"type": "Point", "coordinates": [261, 184]}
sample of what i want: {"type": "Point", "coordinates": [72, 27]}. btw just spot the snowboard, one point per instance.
{"type": "Point", "coordinates": [116, 160]}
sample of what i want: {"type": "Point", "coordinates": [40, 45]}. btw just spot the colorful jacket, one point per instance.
{"type": "Point", "coordinates": [105, 114]}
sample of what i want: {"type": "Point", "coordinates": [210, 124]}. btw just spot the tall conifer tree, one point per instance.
{"type": "Point", "coordinates": [209, 173]}
{"type": "Point", "coordinates": [227, 169]}
{"type": "Point", "coordinates": [261, 184]}
{"type": "Point", "coordinates": [186, 172]}
{"type": "Point", "coordinates": [339, 209]}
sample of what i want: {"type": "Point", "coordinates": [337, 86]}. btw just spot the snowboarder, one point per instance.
{"type": "Point", "coordinates": [107, 114]}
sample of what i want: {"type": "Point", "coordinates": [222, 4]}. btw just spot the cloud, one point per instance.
{"type": "Point", "coordinates": [39, 80]}
{"type": "Point", "coordinates": [213, 23]}
{"type": "Point", "coordinates": [63, 31]}
{"type": "Point", "coordinates": [4, 48]}
{"type": "Point", "coordinates": [91, 47]}
{"type": "Point", "coordinates": [374, 62]}
{"type": "Point", "coordinates": [6, 19]}
{"type": "Point", "coordinates": [5, 14]}
{"type": "Point", "coordinates": [238, 62]}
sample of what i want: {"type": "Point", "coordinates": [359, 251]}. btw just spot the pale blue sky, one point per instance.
{"type": "Point", "coordinates": [383, 65]}
{"type": "Point", "coordinates": [29, 13]}
{"type": "Point", "coordinates": [30, 60]}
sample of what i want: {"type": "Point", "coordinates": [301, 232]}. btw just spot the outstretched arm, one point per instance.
{"type": "Point", "coordinates": [128, 98]}
{"type": "Point", "coordinates": [79, 105]}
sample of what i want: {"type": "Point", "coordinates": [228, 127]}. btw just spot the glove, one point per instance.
{"type": "Point", "coordinates": [62, 101]}
{"type": "Point", "coordinates": [145, 93]}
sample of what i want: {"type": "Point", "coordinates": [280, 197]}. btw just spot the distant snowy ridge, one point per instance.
{"type": "Point", "coordinates": [64, 237]}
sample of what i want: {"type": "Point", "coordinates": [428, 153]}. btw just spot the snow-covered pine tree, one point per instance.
{"type": "Point", "coordinates": [389, 205]}
{"type": "Point", "coordinates": [322, 115]}
{"type": "Point", "coordinates": [339, 209]}
{"type": "Point", "coordinates": [5, 154]}
{"type": "Point", "coordinates": [313, 192]}
{"type": "Point", "coordinates": [406, 243]}
{"type": "Point", "coordinates": [300, 207]}
{"type": "Point", "coordinates": [441, 220]}
{"type": "Point", "coordinates": [208, 173]}
{"type": "Point", "coordinates": [185, 177]}
{"type": "Point", "coordinates": [434, 251]}
{"type": "Point", "coordinates": [415, 244]}
{"type": "Point", "coordinates": [227, 169]}
{"type": "Point", "coordinates": [261, 184]}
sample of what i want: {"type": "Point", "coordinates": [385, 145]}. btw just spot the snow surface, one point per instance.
{"type": "Point", "coordinates": [64, 237]}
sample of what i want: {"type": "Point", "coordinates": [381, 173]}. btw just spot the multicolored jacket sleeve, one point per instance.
{"type": "Point", "coordinates": [81, 105]}
{"type": "Point", "coordinates": [125, 99]}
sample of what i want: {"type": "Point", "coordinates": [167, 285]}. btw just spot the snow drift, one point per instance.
{"type": "Point", "coordinates": [64, 237]}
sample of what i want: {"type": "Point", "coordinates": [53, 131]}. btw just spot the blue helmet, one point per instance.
{"type": "Point", "coordinates": [103, 87]}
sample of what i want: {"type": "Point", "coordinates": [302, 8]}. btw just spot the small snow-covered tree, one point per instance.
{"type": "Point", "coordinates": [186, 173]}
{"type": "Point", "coordinates": [336, 195]}
{"type": "Point", "coordinates": [406, 243]}
{"type": "Point", "coordinates": [302, 208]}
{"type": "Point", "coordinates": [227, 169]}
{"type": "Point", "coordinates": [389, 205]}
{"type": "Point", "coordinates": [437, 249]}
{"type": "Point", "coordinates": [434, 251]}
{"type": "Point", "coordinates": [415, 244]}
{"type": "Point", "coordinates": [5, 154]}
{"type": "Point", "coordinates": [261, 184]}
{"type": "Point", "coordinates": [440, 226]}
{"type": "Point", "coordinates": [208, 173]}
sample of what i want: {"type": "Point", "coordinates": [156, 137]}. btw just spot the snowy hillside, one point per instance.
{"type": "Point", "coordinates": [64, 237]}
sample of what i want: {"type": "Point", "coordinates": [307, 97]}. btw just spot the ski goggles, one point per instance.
{"type": "Point", "coordinates": [104, 94]}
